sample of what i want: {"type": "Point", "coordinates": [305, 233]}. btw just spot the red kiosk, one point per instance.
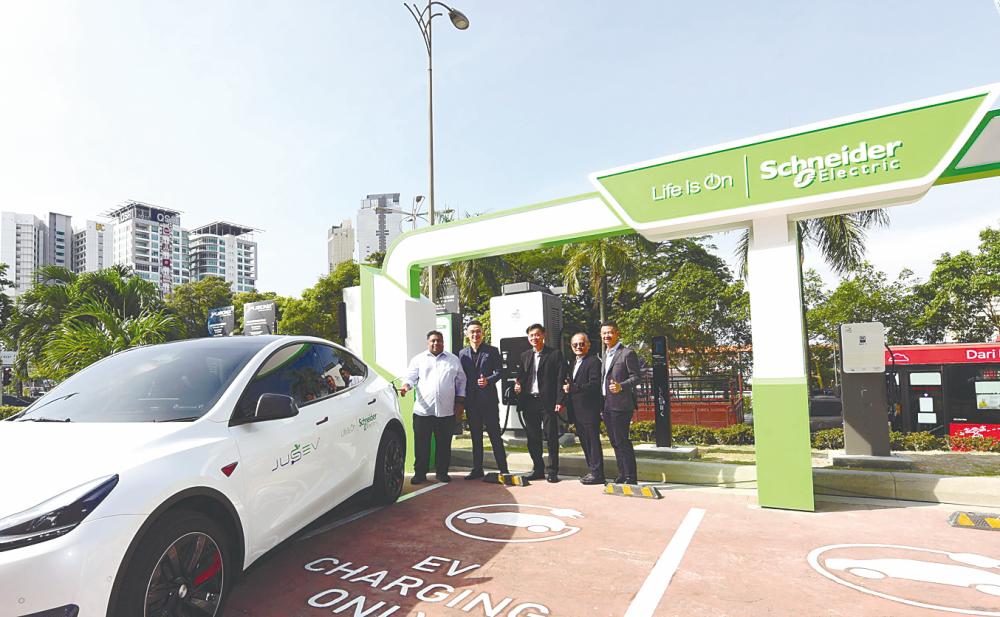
{"type": "Point", "coordinates": [953, 388]}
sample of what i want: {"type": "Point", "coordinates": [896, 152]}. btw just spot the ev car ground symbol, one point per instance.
{"type": "Point", "coordinates": [499, 522]}
{"type": "Point", "coordinates": [964, 572]}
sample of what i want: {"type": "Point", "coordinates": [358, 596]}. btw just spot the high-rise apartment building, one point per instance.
{"type": "Point", "coordinates": [149, 239]}
{"type": "Point", "coordinates": [145, 237]}
{"type": "Point", "coordinates": [340, 244]}
{"type": "Point", "coordinates": [225, 250]}
{"type": "Point", "coordinates": [22, 248]}
{"type": "Point", "coordinates": [93, 246]}
{"type": "Point", "coordinates": [59, 241]}
{"type": "Point", "coordinates": [380, 221]}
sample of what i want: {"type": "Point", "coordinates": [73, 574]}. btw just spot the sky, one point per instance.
{"type": "Point", "coordinates": [282, 115]}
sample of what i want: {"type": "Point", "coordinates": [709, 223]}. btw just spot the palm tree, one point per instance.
{"type": "Point", "coordinates": [67, 320]}
{"type": "Point", "coordinates": [598, 260]}
{"type": "Point", "coordinates": [95, 330]}
{"type": "Point", "coordinates": [840, 239]}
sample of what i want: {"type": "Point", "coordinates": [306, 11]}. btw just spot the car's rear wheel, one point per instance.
{"type": "Point", "coordinates": [181, 568]}
{"type": "Point", "coordinates": [388, 484]}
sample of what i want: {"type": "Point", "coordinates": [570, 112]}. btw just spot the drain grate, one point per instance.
{"type": "Point", "coordinates": [975, 520]}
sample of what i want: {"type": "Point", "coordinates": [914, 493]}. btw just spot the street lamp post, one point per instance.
{"type": "Point", "coordinates": [424, 17]}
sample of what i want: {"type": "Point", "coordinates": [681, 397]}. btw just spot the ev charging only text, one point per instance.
{"type": "Point", "coordinates": [467, 601]}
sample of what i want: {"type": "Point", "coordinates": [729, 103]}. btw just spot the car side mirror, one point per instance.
{"type": "Point", "coordinates": [275, 407]}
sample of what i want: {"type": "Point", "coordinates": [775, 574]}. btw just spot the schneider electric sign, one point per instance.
{"type": "Point", "coordinates": [900, 151]}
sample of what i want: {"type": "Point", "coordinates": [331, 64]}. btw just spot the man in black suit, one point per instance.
{"type": "Point", "coordinates": [583, 393]}
{"type": "Point", "coordinates": [540, 376]}
{"type": "Point", "coordinates": [481, 364]}
{"type": "Point", "coordinates": [621, 374]}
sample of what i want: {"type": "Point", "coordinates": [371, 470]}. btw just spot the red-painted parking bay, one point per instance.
{"type": "Point", "coordinates": [474, 549]}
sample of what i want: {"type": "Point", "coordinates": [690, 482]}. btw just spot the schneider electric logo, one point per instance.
{"type": "Point", "coordinates": [862, 160]}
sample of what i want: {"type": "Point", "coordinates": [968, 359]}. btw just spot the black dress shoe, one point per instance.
{"type": "Point", "coordinates": [588, 479]}
{"type": "Point", "coordinates": [442, 477]}
{"type": "Point", "coordinates": [475, 473]}
{"type": "Point", "coordinates": [553, 478]}
{"type": "Point", "coordinates": [538, 475]}
{"type": "Point", "coordinates": [418, 480]}
{"type": "Point", "coordinates": [631, 481]}
{"type": "Point", "coordinates": [619, 480]}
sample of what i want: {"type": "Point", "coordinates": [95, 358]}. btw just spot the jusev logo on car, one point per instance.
{"type": "Point", "coordinates": [298, 451]}
{"type": "Point", "coordinates": [367, 420]}
{"type": "Point", "coordinates": [862, 160]}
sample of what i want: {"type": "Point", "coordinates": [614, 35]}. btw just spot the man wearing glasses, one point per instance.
{"type": "Point", "coordinates": [583, 390]}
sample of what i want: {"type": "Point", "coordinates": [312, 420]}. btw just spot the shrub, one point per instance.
{"type": "Point", "coordinates": [694, 435]}
{"type": "Point", "coordinates": [9, 410]}
{"type": "Point", "coordinates": [830, 439]}
{"type": "Point", "coordinates": [897, 439]}
{"type": "Point", "coordinates": [643, 431]}
{"type": "Point", "coordinates": [735, 435]}
{"type": "Point", "coordinates": [974, 444]}
{"type": "Point", "coordinates": [923, 441]}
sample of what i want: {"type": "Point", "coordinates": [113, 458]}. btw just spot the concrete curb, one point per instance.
{"type": "Point", "coordinates": [982, 491]}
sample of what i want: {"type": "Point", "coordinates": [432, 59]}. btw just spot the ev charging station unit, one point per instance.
{"type": "Point", "coordinates": [521, 305]}
{"type": "Point", "coordinates": [863, 389]}
{"type": "Point", "coordinates": [886, 157]}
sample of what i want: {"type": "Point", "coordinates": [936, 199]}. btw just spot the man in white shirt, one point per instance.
{"type": "Point", "coordinates": [439, 381]}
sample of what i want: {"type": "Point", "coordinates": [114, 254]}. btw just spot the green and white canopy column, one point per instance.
{"type": "Point", "coordinates": [886, 157]}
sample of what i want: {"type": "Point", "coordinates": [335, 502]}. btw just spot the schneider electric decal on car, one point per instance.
{"type": "Point", "coordinates": [170, 469]}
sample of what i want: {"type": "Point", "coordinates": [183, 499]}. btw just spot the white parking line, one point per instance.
{"type": "Point", "coordinates": [652, 590]}
{"type": "Point", "coordinates": [363, 513]}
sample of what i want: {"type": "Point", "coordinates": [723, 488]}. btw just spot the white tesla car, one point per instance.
{"type": "Point", "coordinates": [145, 484]}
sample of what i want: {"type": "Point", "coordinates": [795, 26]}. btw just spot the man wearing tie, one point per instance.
{"type": "Point", "coordinates": [583, 390]}
{"type": "Point", "coordinates": [621, 374]}
{"type": "Point", "coordinates": [540, 375]}
{"type": "Point", "coordinates": [481, 364]}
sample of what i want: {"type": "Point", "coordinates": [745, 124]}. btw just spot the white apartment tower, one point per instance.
{"type": "Point", "coordinates": [225, 250]}
{"type": "Point", "coordinates": [340, 244]}
{"type": "Point", "coordinates": [149, 239]}
{"type": "Point", "coordinates": [380, 221]}
{"type": "Point", "coordinates": [93, 246]}
{"type": "Point", "coordinates": [22, 248]}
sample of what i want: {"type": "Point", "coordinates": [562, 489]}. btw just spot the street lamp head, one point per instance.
{"type": "Point", "coordinates": [418, 198]}
{"type": "Point", "coordinates": [458, 19]}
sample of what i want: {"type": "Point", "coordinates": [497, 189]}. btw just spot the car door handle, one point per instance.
{"type": "Point", "coordinates": [323, 421]}
{"type": "Point", "coordinates": [372, 402]}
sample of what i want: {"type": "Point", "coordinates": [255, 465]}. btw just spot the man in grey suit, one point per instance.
{"type": "Point", "coordinates": [481, 364]}
{"type": "Point", "coordinates": [620, 371]}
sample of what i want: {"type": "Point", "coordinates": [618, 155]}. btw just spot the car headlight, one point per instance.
{"type": "Point", "coordinates": [54, 517]}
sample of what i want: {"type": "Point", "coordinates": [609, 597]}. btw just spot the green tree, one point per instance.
{"type": "Point", "coordinates": [190, 302]}
{"type": "Point", "coordinates": [61, 302]}
{"type": "Point", "coordinates": [6, 304]}
{"type": "Point", "coordinates": [94, 329]}
{"type": "Point", "coordinates": [866, 294]}
{"type": "Point", "coordinates": [315, 314]}
{"type": "Point", "coordinates": [599, 264]}
{"type": "Point", "coordinates": [963, 293]}
{"type": "Point", "coordinates": [699, 310]}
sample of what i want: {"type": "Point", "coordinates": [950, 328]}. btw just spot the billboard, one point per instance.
{"type": "Point", "coordinates": [221, 321]}
{"type": "Point", "coordinates": [260, 318]}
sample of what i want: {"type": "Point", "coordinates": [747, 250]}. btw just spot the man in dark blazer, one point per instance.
{"type": "Point", "coordinates": [620, 376]}
{"type": "Point", "coordinates": [481, 364]}
{"type": "Point", "coordinates": [583, 395]}
{"type": "Point", "coordinates": [540, 375]}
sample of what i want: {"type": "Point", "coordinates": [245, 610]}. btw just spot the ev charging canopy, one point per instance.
{"type": "Point", "coordinates": [875, 159]}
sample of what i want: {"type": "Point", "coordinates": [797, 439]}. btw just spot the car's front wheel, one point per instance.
{"type": "Point", "coordinates": [388, 484]}
{"type": "Point", "coordinates": [181, 567]}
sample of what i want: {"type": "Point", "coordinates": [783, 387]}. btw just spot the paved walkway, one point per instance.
{"type": "Point", "coordinates": [469, 548]}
